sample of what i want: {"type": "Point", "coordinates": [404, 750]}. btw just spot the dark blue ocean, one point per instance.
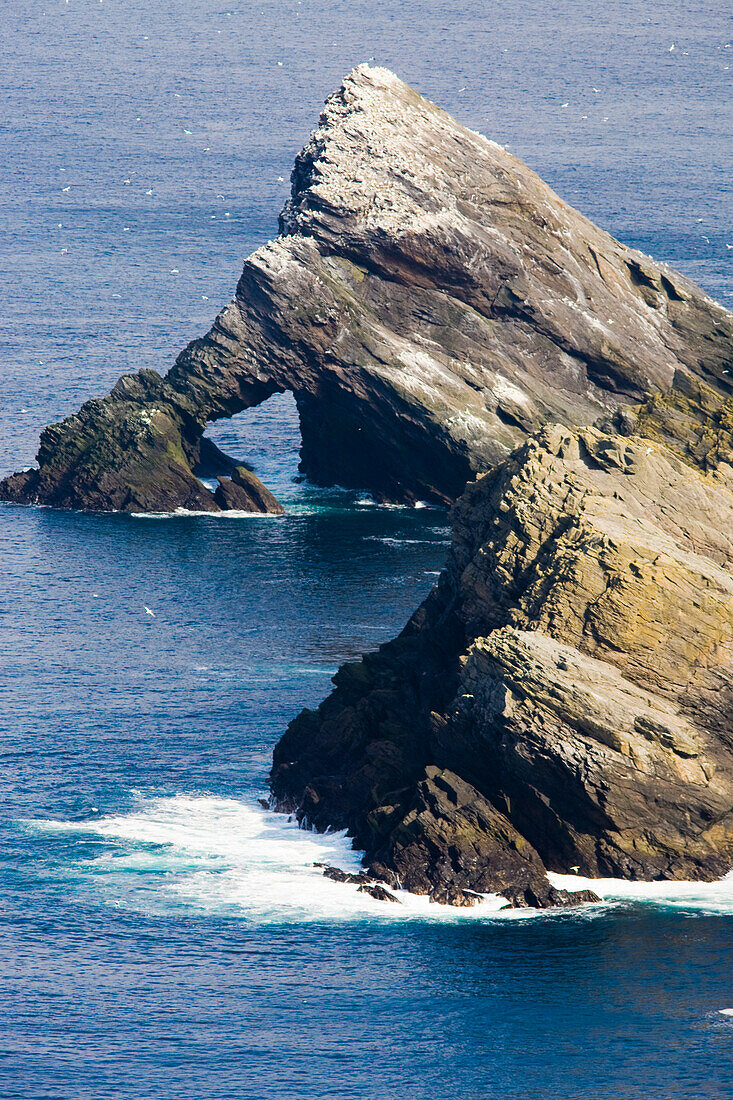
{"type": "Point", "coordinates": [161, 936]}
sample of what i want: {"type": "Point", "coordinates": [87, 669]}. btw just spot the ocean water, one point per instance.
{"type": "Point", "coordinates": [161, 935]}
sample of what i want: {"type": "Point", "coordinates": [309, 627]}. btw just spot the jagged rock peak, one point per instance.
{"type": "Point", "coordinates": [363, 161]}
{"type": "Point", "coordinates": [430, 302]}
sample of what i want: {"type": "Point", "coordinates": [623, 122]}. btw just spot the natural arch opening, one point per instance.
{"type": "Point", "coordinates": [265, 438]}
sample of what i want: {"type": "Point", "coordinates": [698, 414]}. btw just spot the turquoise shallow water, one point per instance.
{"type": "Point", "coordinates": [160, 935]}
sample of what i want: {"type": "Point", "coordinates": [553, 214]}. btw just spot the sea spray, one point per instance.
{"type": "Point", "coordinates": [232, 857]}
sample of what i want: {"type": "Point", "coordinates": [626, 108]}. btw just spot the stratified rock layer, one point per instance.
{"type": "Point", "coordinates": [429, 302]}
{"type": "Point", "coordinates": [564, 697]}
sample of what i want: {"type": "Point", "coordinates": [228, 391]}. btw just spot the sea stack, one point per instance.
{"type": "Point", "coordinates": [452, 331]}
{"type": "Point", "coordinates": [563, 698]}
{"type": "Point", "coordinates": [429, 302]}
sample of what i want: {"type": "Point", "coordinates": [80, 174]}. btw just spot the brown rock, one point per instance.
{"type": "Point", "coordinates": [563, 698]}
{"type": "Point", "coordinates": [244, 492]}
{"type": "Point", "coordinates": [429, 302]}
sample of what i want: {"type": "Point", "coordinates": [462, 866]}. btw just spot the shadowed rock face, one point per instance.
{"type": "Point", "coordinates": [246, 493]}
{"type": "Point", "coordinates": [564, 697]}
{"type": "Point", "coordinates": [429, 302]}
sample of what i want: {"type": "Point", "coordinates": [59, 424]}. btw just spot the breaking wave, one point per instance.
{"type": "Point", "coordinates": [713, 898]}
{"type": "Point", "coordinates": [231, 857]}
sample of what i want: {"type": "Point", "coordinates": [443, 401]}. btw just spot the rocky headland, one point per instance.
{"type": "Point", "coordinates": [453, 331]}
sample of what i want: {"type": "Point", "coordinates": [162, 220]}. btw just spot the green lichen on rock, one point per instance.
{"type": "Point", "coordinates": [692, 418]}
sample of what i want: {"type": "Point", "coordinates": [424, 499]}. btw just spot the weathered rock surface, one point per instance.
{"type": "Point", "coordinates": [245, 492]}
{"type": "Point", "coordinates": [564, 697]}
{"type": "Point", "coordinates": [452, 837]}
{"type": "Point", "coordinates": [429, 302]}
{"type": "Point", "coordinates": [138, 450]}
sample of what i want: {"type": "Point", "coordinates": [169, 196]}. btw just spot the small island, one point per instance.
{"type": "Point", "coordinates": [453, 332]}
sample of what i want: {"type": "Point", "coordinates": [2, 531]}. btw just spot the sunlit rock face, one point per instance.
{"type": "Point", "coordinates": [429, 302]}
{"type": "Point", "coordinates": [563, 699]}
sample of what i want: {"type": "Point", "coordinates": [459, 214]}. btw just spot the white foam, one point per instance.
{"type": "Point", "coordinates": [367, 502]}
{"type": "Point", "coordinates": [227, 856]}
{"type": "Point", "coordinates": [181, 513]}
{"type": "Point", "coordinates": [222, 855]}
{"type": "Point", "coordinates": [702, 897]}
{"type": "Point", "coordinates": [401, 542]}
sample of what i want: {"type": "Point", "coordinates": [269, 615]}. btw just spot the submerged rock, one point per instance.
{"type": "Point", "coordinates": [429, 302]}
{"type": "Point", "coordinates": [337, 875]}
{"type": "Point", "coordinates": [366, 883]}
{"type": "Point", "coordinates": [378, 893]}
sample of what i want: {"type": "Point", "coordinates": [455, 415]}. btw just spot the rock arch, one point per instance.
{"type": "Point", "coordinates": [429, 302]}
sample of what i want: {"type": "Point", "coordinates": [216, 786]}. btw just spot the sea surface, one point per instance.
{"type": "Point", "coordinates": [161, 935]}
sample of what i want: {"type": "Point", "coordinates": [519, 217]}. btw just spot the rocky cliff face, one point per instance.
{"type": "Point", "coordinates": [564, 697]}
{"type": "Point", "coordinates": [429, 302]}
